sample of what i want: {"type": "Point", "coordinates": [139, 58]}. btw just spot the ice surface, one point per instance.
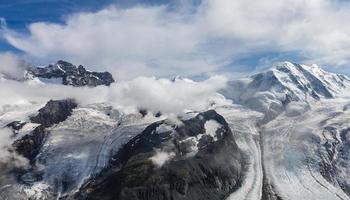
{"type": "Point", "coordinates": [294, 150]}
{"type": "Point", "coordinates": [243, 122]}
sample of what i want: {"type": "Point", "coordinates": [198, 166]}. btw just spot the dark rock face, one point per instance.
{"type": "Point", "coordinates": [16, 126]}
{"type": "Point", "coordinates": [212, 171]}
{"type": "Point", "coordinates": [54, 111]}
{"type": "Point", "coordinates": [335, 155]}
{"type": "Point", "coordinates": [143, 112]}
{"type": "Point", "coordinates": [72, 75]}
{"type": "Point", "coordinates": [29, 145]}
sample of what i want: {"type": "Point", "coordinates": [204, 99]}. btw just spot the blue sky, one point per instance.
{"type": "Point", "coordinates": [167, 37]}
{"type": "Point", "coordinates": [20, 13]}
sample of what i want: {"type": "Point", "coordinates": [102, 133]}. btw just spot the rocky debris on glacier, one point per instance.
{"type": "Point", "coordinates": [335, 154]}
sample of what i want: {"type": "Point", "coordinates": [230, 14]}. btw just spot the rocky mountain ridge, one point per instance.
{"type": "Point", "coordinates": [69, 74]}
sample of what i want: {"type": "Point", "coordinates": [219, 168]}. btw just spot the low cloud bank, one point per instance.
{"type": "Point", "coordinates": [164, 95]}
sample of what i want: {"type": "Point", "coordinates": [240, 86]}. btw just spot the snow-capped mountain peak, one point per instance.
{"type": "Point", "coordinates": [309, 79]}
{"type": "Point", "coordinates": [270, 91]}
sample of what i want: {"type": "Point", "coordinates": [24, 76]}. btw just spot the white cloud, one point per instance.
{"type": "Point", "coordinates": [155, 41]}
{"type": "Point", "coordinates": [161, 157]}
{"type": "Point", "coordinates": [211, 127]}
{"type": "Point", "coordinates": [5, 146]}
{"type": "Point", "coordinates": [153, 94]}
{"type": "Point", "coordinates": [11, 65]}
{"type": "Point", "coordinates": [9, 159]}
{"type": "Point", "coordinates": [314, 28]}
{"type": "Point", "coordinates": [133, 42]}
{"type": "Point", "coordinates": [167, 96]}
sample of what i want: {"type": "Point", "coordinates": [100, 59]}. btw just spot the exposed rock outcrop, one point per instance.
{"type": "Point", "coordinates": [55, 111]}
{"type": "Point", "coordinates": [30, 144]}
{"type": "Point", "coordinates": [190, 160]}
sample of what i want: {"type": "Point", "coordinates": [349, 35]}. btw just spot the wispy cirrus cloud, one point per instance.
{"type": "Point", "coordinates": [156, 40]}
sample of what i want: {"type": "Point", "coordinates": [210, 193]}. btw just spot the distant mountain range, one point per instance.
{"type": "Point", "coordinates": [64, 73]}
{"type": "Point", "coordinates": [286, 135]}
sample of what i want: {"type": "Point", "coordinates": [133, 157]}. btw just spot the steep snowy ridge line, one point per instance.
{"type": "Point", "coordinates": [271, 91]}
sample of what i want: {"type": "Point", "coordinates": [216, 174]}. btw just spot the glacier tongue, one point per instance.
{"type": "Point", "coordinates": [296, 156]}
{"type": "Point", "coordinates": [243, 123]}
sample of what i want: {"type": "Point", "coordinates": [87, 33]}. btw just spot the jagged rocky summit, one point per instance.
{"type": "Point", "coordinates": [69, 74]}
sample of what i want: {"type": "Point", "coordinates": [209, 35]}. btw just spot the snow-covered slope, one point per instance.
{"type": "Point", "coordinates": [271, 91]}
{"type": "Point", "coordinates": [74, 149]}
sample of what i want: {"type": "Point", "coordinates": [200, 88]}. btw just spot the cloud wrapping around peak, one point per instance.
{"type": "Point", "coordinates": [154, 40]}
